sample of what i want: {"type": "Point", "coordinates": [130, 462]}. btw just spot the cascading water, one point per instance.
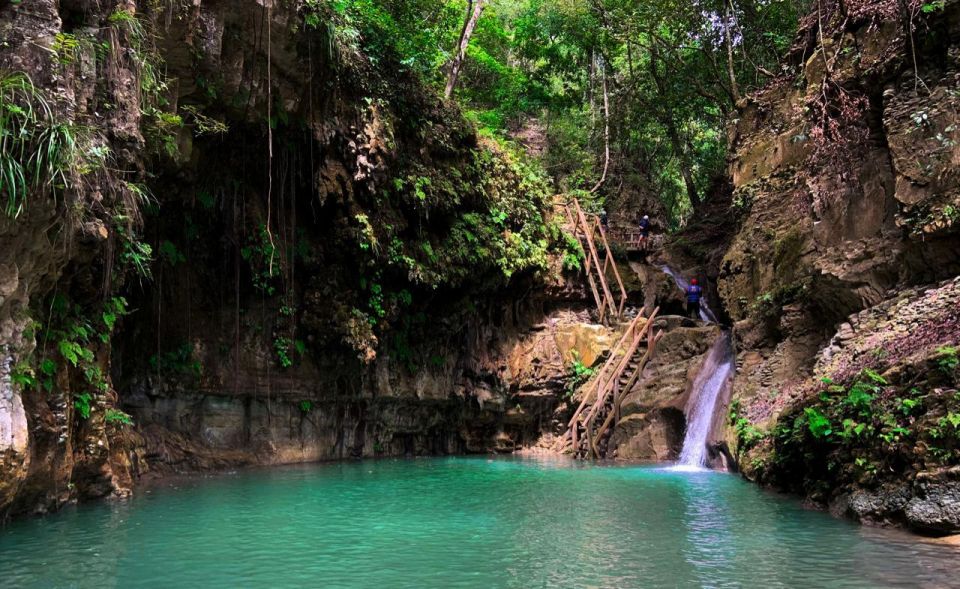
{"type": "Point", "coordinates": [706, 314]}
{"type": "Point", "coordinates": [709, 383]}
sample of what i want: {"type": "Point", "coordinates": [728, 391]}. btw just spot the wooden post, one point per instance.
{"type": "Point", "coordinates": [614, 416]}
{"type": "Point", "coordinates": [593, 252]}
{"type": "Point", "coordinates": [616, 272]}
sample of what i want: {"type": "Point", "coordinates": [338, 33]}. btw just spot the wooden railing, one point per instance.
{"type": "Point", "coordinates": [633, 241]}
{"type": "Point", "coordinates": [605, 395]}
{"type": "Point", "coordinates": [587, 228]}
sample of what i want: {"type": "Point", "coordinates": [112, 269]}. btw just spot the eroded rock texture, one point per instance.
{"type": "Point", "coordinates": [844, 179]}
{"type": "Point", "coordinates": [326, 280]}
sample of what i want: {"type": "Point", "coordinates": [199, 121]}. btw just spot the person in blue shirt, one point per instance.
{"type": "Point", "coordinates": [694, 294]}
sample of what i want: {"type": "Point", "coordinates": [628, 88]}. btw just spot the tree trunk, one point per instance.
{"type": "Point", "coordinates": [734, 88]}
{"type": "Point", "coordinates": [474, 10]}
{"type": "Point", "coordinates": [672, 132]}
{"type": "Point", "coordinates": [606, 131]}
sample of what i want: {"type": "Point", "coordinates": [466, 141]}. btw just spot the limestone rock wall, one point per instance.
{"type": "Point", "coordinates": [838, 209]}
{"type": "Point", "coordinates": [43, 448]}
{"type": "Point", "coordinates": [196, 361]}
{"type": "Point", "coordinates": [846, 202]}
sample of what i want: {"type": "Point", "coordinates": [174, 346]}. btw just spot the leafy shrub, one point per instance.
{"type": "Point", "coordinates": [578, 374]}
{"type": "Point", "coordinates": [118, 417]}
{"type": "Point", "coordinates": [38, 152]}
{"type": "Point", "coordinates": [748, 435]}
{"type": "Point", "coordinates": [948, 359]}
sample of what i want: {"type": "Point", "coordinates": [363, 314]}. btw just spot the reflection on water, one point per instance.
{"type": "Point", "coordinates": [461, 522]}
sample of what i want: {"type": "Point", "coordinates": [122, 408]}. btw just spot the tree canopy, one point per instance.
{"type": "Point", "coordinates": [619, 97]}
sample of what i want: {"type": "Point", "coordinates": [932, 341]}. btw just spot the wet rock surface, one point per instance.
{"type": "Point", "coordinates": [935, 506]}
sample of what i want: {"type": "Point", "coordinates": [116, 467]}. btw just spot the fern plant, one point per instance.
{"type": "Point", "coordinates": [37, 152]}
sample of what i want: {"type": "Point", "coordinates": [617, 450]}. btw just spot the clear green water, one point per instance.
{"type": "Point", "coordinates": [461, 522]}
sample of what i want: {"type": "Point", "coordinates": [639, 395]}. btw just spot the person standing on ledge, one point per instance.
{"type": "Point", "coordinates": [694, 294]}
{"type": "Point", "coordinates": [644, 231]}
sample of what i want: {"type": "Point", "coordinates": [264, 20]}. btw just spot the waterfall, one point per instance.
{"type": "Point", "coordinates": [710, 382]}
{"type": "Point", "coordinates": [707, 386]}
{"type": "Point", "coordinates": [706, 314]}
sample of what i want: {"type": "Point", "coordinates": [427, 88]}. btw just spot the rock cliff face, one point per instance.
{"type": "Point", "coordinates": [323, 262]}
{"type": "Point", "coordinates": [845, 186]}
{"type": "Point", "coordinates": [59, 235]}
{"type": "Point", "coordinates": [653, 422]}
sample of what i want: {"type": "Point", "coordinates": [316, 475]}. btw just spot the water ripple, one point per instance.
{"type": "Point", "coordinates": [461, 522]}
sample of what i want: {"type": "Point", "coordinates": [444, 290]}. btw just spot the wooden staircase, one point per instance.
{"type": "Point", "coordinates": [589, 232]}
{"type": "Point", "coordinates": [589, 429]}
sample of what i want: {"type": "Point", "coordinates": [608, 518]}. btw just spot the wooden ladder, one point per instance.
{"type": "Point", "coordinates": [587, 228]}
{"type": "Point", "coordinates": [601, 403]}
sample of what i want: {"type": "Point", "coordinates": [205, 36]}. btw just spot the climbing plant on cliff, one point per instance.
{"type": "Point", "coordinates": [38, 152]}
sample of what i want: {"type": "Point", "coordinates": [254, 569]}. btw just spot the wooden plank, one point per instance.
{"type": "Point", "coordinates": [616, 271]}
{"type": "Point", "coordinates": [614, 415]}
{"type": "Point", "coordinates": [593, 251]}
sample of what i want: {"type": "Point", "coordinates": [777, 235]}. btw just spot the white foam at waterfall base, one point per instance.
{"type": "Point", "coordinates": [710, 381]}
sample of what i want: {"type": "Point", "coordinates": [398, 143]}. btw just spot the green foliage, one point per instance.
{"type": "Point", "coordinates": [578, 374]}
{"type": "Point", "coordinates": [414, 34]}
{"type": "Point", "coordinates": [203, 124]}
{"type": "Point", "coordinates": [38, 152]}
{"type": "Point", "coordinates": [305, 406]}
{"type": "Point", "coordinates": [866, 431]}
{"type": "Point", "coordinates": [116, 416]}
{"type": "Point", "coordinates": [74, 336]}
{"type": "Point", "coordinates": [748, 435]}
{"type": "Point", "coordinates": [818, 423]}
{"type": "Point", "coordinates": [179, 361]}
{"type": "Point", "coordinates": [544, 62]}
{"type": "Point", "coordinates": [261, 254]}
{"type": "Point", "coordinates": [169, 253]}
{"type": "Point", "coordinates": [65, 47]}
{"type": "Point", "coordinates": [948, 359]}
{"type": "Point", "coordinates": [282, 347]}
{"type": "Point", "coordinates": [82, 402]}
{"type": "Point", "coordinates": [935, 6]}
{"type": "Point", "coordinates": [135, 254]}
{"type": "Point", "coordinates": [160, 127]}
{"type": "Point", "coordinates": [23, 376]}
{"type": "Point", "coordinates": [769, 305]}
{"type": "Point", "coordinates": [573, 254]}
{"type": "Point", "coordinates": [506, 231]}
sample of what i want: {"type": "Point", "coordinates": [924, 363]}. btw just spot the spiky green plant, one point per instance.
{"type": "Point", "coordinates": [37, 151]}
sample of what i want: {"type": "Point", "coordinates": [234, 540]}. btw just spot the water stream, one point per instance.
{"type": "Point", "coordinates": [710, 382]}
{"type": "Point", "coordinates": [460, 523]}
{"type": "Point", "coordinates": [713, 377]}
{"type": "Point", "coordinates": [706, 313]}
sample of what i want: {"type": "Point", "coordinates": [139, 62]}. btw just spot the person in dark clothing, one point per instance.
{"type": "Point", "coordinates": [644, 231]}
{"type": "Point", "coordinates": [603, 220]}
{"type": "Point", "coordinates": [694, 294]}
{"type": "Point", "coordinates": [645, 226]}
